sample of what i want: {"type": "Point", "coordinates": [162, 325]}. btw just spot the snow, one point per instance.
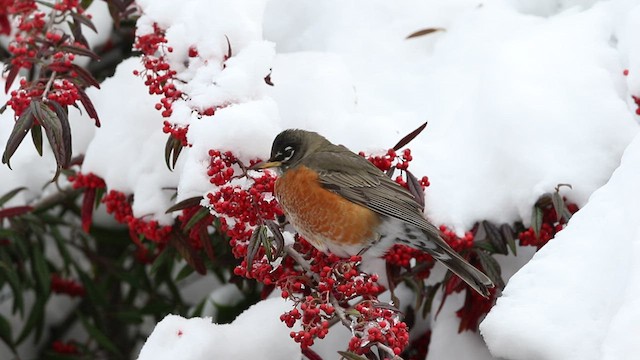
{"type": "Point", "coordinates": [520, 95]}
{"type": "Point", "coordinates": [558, 284]}
{"type": "Point", "coordinates": [249, 336]}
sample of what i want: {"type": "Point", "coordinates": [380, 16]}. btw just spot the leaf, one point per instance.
{"type": "Point", "coordinates": [184, 272]}
{"type": "Point", "coordinates": [164, 257]}
{"type": "Point", "coordinates": [351, 356]}
{"type": "Point", "coordinates": [277, 236]}
{"type": "Point", "coordinates": [99, 336]}
{"type": "Point", "coordinates": [415, 188]}
{"type": "Point", "coordinates": [9, 273]}
{"type": "Point", "coordinates": [172, 151]}
{"type": "Point", "coordinates": [266, 243]}
{"type": "Point", "coordinates": [181, 243]}
{"type": "Point", "coordinates": [536, 220]}
{"type": "Point", "coordinates": [53, 128]}
{"type": "Point", "coordinates": [83, 20]}
{"type": "Point", "coordinates": [20, 129]}
{"type": "Point", "coordinates": [86, 213]}
{"type": "Point", "coordinates": [423, 32]}
{"type": "Point", "coordinates": [201, 214]}
{"type": "Point", "coordinates": [11, 76]}
{"type": "Point", "coordinates": [560, 207]}
{"type": "Point", "coordinates": [508, 236]}
{"type": "Point", "coordinates": [5, 333]}
{"type": "Point", "coordinates": [41, 271]}
{"type": "Point", "coordinates": [85, 76]}
{"type": "Point", "coordinates": [15, 211]}
{"type": "Point", "coordinates": [8, 196]}
{"type": "Point", "coordinates": [203, 235]}
{"type": "Point", "coordinates": [253, 247]}
{"type": "Point", "coordinates": [431, 294]}
{"type": "Point", "coordinates": [491, 268]}
{"type": "Point", "coordinates": [63, 116]}
{"type": "Point", "coordinates": [407, 139]}
{"type": "Point", "coordinates": [36, 136]}
{"type": "Point", "coordinates": [88, 105]}
{"type": "Point", "coordinates": [184, 204]}
{"type": "Point", "coordinates": [495, 238]}
{"type": "Point", "coordinates": [34, 320]}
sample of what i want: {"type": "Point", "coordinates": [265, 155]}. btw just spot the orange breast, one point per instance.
{"type": "Point", "coordinates": [321, 215]}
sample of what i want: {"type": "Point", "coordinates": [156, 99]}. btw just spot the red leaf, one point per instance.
{"type": "Point", "coordinates": [88, 105]}
{"type": "Point", "coordinates": [407, 139]}
{"type": "Point", "coordinates": [85, 76]}
{"type": "Point", "coordinates": [11, 76]}
{"type": "Point", "coordinates": [15, 211]}
{"type": "Point", "coordinates": [87, 208]}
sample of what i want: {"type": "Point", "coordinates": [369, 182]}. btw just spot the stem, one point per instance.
{"type": "Point", "coordinates": [48, 86]}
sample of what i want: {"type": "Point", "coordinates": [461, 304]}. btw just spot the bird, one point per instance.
{"type": "Point", "coordinates": [343, 204]}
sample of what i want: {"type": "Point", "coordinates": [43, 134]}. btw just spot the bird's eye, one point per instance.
{"type": "Point", "coordinates": [287, 153]}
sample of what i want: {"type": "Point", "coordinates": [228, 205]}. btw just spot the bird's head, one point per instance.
{"type": "Point", "coordinates": [290, 147]}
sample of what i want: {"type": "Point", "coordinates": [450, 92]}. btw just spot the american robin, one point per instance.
{"type": "Point", "coordinates": [342, 203]}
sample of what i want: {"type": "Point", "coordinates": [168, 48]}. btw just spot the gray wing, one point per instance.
{"type": "Point", "coordinates": [359, 181]}
{"type": "Point", "coordinates": [355, 178]}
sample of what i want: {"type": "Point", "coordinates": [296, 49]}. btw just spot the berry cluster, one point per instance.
{"type": "Point", "coordinates": [550, 226]}
{"type": "Point", "coordinates": [378, 325]}
{"type": "Point", "coordinates": [66, 286]}
{"type": "Point", "coordinates": [158, 75]}
{"type": "Point", "coordinates": [119, 205]}
{"type": "Point", "coordinates": [88, 181]}
{"type": "Point", "coordinates": [38, 41]}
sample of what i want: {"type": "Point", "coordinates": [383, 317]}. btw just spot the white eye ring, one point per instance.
{"type": "Point", "coordinates": [288, 150]}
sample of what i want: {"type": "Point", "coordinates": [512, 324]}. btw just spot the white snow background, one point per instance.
{"type": "Point", "coordinates": [520, 95]}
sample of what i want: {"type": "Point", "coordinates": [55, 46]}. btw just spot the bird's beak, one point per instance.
{"type": "Point", "coordinates": [266, 165]}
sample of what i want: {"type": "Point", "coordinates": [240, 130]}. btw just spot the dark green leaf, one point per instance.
{"type": "Point", "coordinates": [495, 238]}
{"type": "Point", "coordinates": [8, 196]}
{"type": "Point", "coordinates": [41, 271]}
{"type": "Point", "coordinates": [5, 333]}
{"type": "Point", "coordinates": [184, 272]}
{"type": "Point", "coordinates": [164, 257]}
{"type": "Point", "coordinates": [36, 136]}
{"type": "Point", "coordinates": [99, 336]}
{"type": "Point", "coordinates": [20, 130]}
{"type": "Point", "coordinates": [508, 236]}
{"type": "Point", "coordinates": [431, 294]}
{"type": "Point", "coordinates": [407, 139]}
{"type": "Point", "coordinates": [94, 292]}
{"type": "Point", "coordinates": [9, 273]}
{"type": "Point", "coordinates": [35, 320]}
{"type": "Point", "coordinates": [491, 268]}
{"type": "Point", "coordinates": [536, 220]}
{"type": "Point", "coordinates": [424, 32]}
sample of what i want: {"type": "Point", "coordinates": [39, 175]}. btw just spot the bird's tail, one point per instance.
{"type": "Point", "coordinates": [435, 246]}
